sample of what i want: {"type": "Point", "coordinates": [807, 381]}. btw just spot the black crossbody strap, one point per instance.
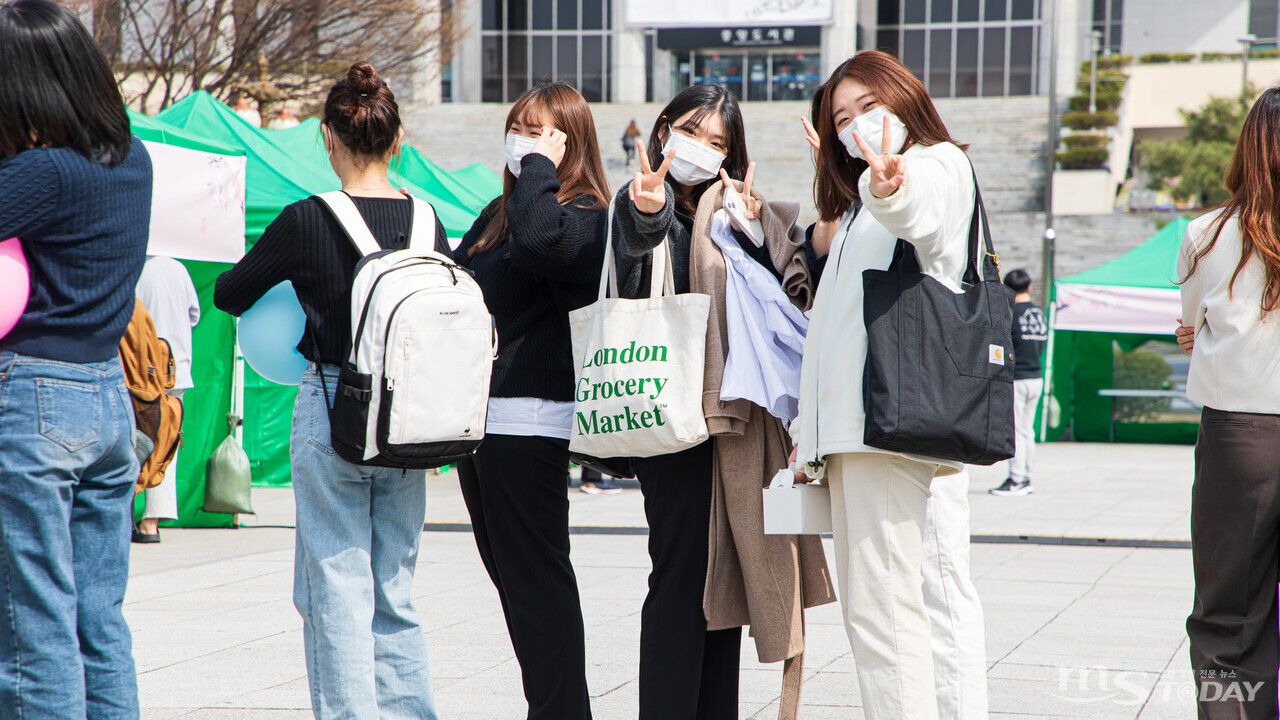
{"type": "Point", "coordinates": [905, 260]}
{"type": "Point", "coordinates": [990, 260]}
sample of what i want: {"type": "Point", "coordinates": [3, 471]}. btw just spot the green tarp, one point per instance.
{"type": "Point", "coordinates": [207, 403]}
{"type": "Point", "coordinates": [282, 167]}
{"type": "Point", "coordinates": [1153, 264]}
{"type": "Point", "coordinates": [1084, 362]}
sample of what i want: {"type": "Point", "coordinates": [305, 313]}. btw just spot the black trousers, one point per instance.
{"type": "Point", "coordinates": [686, 672]}
{"type": "Point", "coordinates": [1235, 551]}
{"type": "Point", "coordinates": [516, 490]}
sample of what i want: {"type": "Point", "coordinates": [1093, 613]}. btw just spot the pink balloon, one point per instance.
{"type": "Point", "coordinates": [15, 284]}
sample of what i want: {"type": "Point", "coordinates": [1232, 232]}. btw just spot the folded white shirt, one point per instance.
{"type": "Point", "coordinates": [766, 331]}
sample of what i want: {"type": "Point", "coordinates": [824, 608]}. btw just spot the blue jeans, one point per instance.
{"type": "Point", "coordinates": [356, 551]}
{"type": "Point", "coordinates": [67, 474]}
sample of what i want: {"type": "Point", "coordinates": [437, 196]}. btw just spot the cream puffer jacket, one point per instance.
{"type": "Point", "coordinates": [932, 211]}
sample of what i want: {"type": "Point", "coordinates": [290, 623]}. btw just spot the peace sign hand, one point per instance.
{"type": "Point", "coordinates": [810, 134]}
{"type": "Point", "coordinates": [888, 171]}
{"type": "Point", "coordinates": [743, 189]}
{"type": "Point", "coordinates": [647, 191]}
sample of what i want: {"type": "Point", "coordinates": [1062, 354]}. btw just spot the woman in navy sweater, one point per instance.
{"type": "Point", "coordinates": [536, 252]}
{"type": "Point", "coordinates": [75, 189]}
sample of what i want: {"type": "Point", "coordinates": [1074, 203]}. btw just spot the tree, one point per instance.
{"type": "Point", "coordinates": [274, 50]}
{"type": "Point", "coordinates": [1139, 370]}
{"type": "Point", "coordinates": [1192, 168]}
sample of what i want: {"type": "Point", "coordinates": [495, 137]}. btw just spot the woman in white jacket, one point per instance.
{"type": "Point", "coordinates": [1230, 271]}
{"type": "Point", "coordinates": [918, 187]}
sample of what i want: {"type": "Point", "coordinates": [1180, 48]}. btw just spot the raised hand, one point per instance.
{"type": "Point", "coordinates": [743, 189]}
{"type": "Point", "coordinates": [647, 191]}
{"type": "Point", "coordinates": [551, 145]}
{"type": "Point", "coordinates": [888, 171]}
{"type": "Point", "coordinates": [810, 134]}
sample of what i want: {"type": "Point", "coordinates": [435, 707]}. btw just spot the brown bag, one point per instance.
{"type": "Point", "coordinates": [148, 372]}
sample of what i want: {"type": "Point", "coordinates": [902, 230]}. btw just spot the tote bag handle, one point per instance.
{"type": "Point", "coordinates": [661, 282]}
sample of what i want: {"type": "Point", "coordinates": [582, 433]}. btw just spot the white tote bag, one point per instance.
{"type": "Point", "coordinates": [639, 366]}
{"type": "Point", "coordinates": [791, 509]}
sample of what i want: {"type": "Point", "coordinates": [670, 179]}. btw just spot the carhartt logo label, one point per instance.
{"type": "Point", "coordinates": [995, 355]}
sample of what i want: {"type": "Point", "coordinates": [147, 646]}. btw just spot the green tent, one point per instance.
{"type": "Point", "coordinates": [206, 404]}
{"type": "Point", "coordinates": [1099, 318]}
{"type": "Point", "coordinates": [282, 167]}
{"type": "Point", "coordinates": [471, 187]}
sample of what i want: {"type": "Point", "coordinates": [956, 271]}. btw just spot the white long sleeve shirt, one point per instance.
{"type": "Point", "coordinates": [1235, 365]}
{"type": "Point", "coordinates": [766, 331]}
{"type": "Point", "coordinates": [931, 210]}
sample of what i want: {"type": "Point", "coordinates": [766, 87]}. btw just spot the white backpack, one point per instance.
{"type": "Point", "coordinates": [414, 391]}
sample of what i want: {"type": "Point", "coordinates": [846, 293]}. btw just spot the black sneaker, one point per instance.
{"type": "Point", "coordinates": [145, 538]}
{"type": "Point", "coordinates": [1012, 487]}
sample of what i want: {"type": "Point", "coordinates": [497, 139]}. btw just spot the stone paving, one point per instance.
{"type": "Point", "coordinates": [1072, 631]}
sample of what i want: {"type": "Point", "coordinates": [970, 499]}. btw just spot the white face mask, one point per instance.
{"type": "Point", "coordinates": [871, 127]}
{"type": "Point", "coordinates": [694, 162]}
{"type": "Point", "coordinates": [517, 147]}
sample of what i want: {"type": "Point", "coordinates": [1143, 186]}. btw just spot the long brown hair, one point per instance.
{"type": "Point", "coordinates": [581, 173]}
{"type": "Point", "coordinates": [836, 183]}
{"type": "Point", "coordinates": [1253, 178]}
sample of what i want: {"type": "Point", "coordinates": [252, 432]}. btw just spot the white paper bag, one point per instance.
{"type": "Point", "coordinates": [639, 366]}
{"type": "Point", "coordinates": [791, 509]}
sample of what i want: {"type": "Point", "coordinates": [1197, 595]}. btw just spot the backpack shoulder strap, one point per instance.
{"type": "Point", "coordinates": [423, 230]}
{"type": "Point", "coordinates": [342, 207]}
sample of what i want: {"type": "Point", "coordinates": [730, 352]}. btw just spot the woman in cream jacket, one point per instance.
{"type": "Point", "coordinates": [916, 185]}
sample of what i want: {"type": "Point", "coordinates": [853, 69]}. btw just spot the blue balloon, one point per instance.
{"type": "Point", "coordinates": [269, 333]}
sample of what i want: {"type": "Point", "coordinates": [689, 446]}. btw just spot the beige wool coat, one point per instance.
{"type": "Point", "coordinates": [764, 581]}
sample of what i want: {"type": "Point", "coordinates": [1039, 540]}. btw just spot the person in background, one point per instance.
{"type": "Point", "coordinates": [167, 293]}
{"type": "Point", "coordinates": [595, 483]}
{"type": "Point", "coordinates": [358, 527]}
{"type": "Point", "coordinates": [1229, 270]}
{"type": "Point", "coordinates": [887, 169]}
{"type": "Point", "coordinates": [242, 105]}
{"type": "Point", "coordinates": [1030, 333]}
{"type": "Point", "coordinates": [629, 137]}
{"type": "Point", "coordinates": [536, 253]}
{"type": "Point", "coordinates": [75, 189]}
{"type": "Point", "coordinates": [283, 119]}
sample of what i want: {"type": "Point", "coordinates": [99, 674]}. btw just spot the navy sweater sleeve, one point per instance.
{"type": "Point", "coordinates": [266, 265]}
{"type": "Point", "coordinates": [560, 242]}
{"type": "Point", "coordinates": [816, 264]}
{"type": "Point", "coordinates": [30, 186]}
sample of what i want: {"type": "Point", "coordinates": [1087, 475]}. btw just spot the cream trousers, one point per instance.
{"type": "Point", "coordinates": [911, 611]}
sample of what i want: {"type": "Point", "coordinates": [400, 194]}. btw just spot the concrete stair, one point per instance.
{"type": "Point", "coordinates": [1006, 137]}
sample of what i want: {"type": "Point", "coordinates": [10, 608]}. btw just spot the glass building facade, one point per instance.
{"type": "Point", "coordinates": [965, 48]}
{"type": "Point", "coordinates": [1108, 19]}
{"type": "Point", "coordinates": [525, 41]}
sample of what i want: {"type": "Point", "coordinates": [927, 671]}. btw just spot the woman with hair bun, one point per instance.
{"type": "Point", "coordinates": [358, 527]}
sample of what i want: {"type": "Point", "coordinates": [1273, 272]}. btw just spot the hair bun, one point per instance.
{"type": "Point", "coordinates": [363, 81]}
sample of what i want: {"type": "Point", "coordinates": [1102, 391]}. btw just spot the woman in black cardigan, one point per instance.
{"type": "Point", "coordinates": [536, 253]}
